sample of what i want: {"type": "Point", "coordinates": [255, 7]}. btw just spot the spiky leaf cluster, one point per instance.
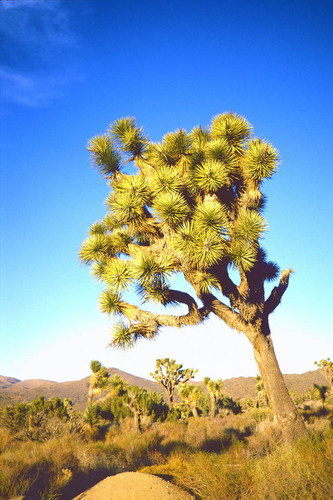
{"type": "Point", "coordinates": [193, 208]}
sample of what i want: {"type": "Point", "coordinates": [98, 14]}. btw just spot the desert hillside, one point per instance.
{"type": "Point", "coordinates": [14, 390]}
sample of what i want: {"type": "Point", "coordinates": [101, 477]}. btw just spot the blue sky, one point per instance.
{"type": "Point", "coordinates": [70, 68]}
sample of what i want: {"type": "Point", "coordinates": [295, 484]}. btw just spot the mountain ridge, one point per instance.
{"type": "Point", "coordinates": [13, 390]}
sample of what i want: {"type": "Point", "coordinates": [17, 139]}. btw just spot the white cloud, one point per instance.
{"type": "Point", "coordinates": [37, 47]}
{"type": "Point", "coordinates": [28, 90]}
{"type": "Point", "coordinates": [36, 22]}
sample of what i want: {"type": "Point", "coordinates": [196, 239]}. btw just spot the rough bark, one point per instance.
{"type": "Point", "coordinates": [283, 406]}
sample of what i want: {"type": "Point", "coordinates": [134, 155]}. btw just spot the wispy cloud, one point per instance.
{"type": "Point", "coordinates": [36, 21]}
{"type": "Point", "coordinates": [38, 44]}
{"type": "Point", "coordinates": [28, 90]}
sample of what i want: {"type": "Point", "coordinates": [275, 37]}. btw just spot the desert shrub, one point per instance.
{"type": "Point", "coordinates": [207, 476]}
{"type": "Point", "coordinates": [114, 409]}
{"type": "Point", "coordinates": [39, 420]}
{"type": "Point", "coordinates": [14, 417]}
{"type": "Point", "coordinates": [179, 411]}
{"type": "Point", "coordinates": [227, 403]}
{"type": "Point", "coordinates": [6, 438]}
{"type": "Point", "coordinates": [264, 440]}
{"type": "Point", "coordinates": [135, 447]}
{"type": "Point", "coordinates": [303, 470]}
{"type": "Point", "coordinates": [36, 470]}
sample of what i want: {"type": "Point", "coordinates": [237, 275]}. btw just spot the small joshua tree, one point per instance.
{"type": "Point", "coordinates": [99, 380]}
{"type": "Point", "coordinates": [321, 391]}
{"type": "Point", "coordinates": [214, 389]}
{"type": "Point", "coordinates": [191, 395]}
{"type": "Point", "coordinates": [326, 368]}
{"type": "Point", "coordinates": [262, 394]}
{"type": "Point", "coordinates": [169, 374]}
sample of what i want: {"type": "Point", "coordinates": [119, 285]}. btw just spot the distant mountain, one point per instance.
{"type": "Point", "coordinates": [14, 390]}
{"type": "Point", "coordinates": [7, 382]}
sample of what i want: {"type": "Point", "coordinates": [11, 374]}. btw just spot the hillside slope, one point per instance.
{"type": "Point", "coordinates": [14, 390]}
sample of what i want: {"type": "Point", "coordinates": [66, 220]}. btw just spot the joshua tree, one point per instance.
{"type": "Point", "coordinates": [169, 374]}
{"type": "Point", "coordinates": [214, 389]}
{"type": "Point", "coordinates": [98, 380]}
{"type": "Point", "coordinates": [260, 387]}
{"type": "Point", "coordinates": [193, 209]}
{"type": "Point", "coordinates": [191, 395]}
{"type": "Point", "coordinates": [321, 391]}
{"type": "Point", "coordinates": [326, 368]}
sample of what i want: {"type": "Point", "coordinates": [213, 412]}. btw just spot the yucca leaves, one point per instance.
{"type": "Point", "coordinates": [210, 176]}
{"type": "Point", "coordinates": [242, 255]}
{"type": "Point", "coordinates": [122, 337]}
{"type": "Point", "coordinates": [147, 267]}
{"type": "Point", "coordinates": [261, 160]}
{"type": "Point", "coordinates": [166, 180]}
{"type": "Point", "coordinates": [201, 248]}
{"type": "Point", "coordinates": [104, 155]}
{"type": "Point", "coordinates": [97, 228]}
{"type": "Point", "coordinates": [271, 270]}
{"type": "Point", "coordinates": [96, 247]}
{"type": "Point", "coordinates": [171, 208]}
{"type": "Point", "coordinates": [156, 291]}
{"type": "Point", "coordinates": [176, 144]}
{"type": "Point", "coordinates": [111, 222]}
{"type": "Point", "coordinates": [130, 138]}
{"type": "Point", "coordinates": [111, 303]}
{"type": "Point", "coordinates": [135, 185]}
{"type": "Point", "coordinates": [184, 238]}
{"type": "Point", "coordinates": [118, 275]}
{"type": "Point", "coordinates": [98, 270]}
{"type": "Point", "coordinates": [193, 207]}
{"type": "Point", "coordinates": [206, 282]}
{"type": "Point", "coordinates": [233, 128]}
{"type": "Point", "coordinates": [219, 149]}
{"type": "Point", "coordinates": [249, 226]}
{"type": "Point", "coordinates": [208, 249]}
{"type": "Point", "coordinates": [211, 216]}
{"type": "Point", "coordinates": [127, 207]}
{"type": "Point", "coordinates": [199, 137]}
{"type": "Point", "coordinates": [121, 239]}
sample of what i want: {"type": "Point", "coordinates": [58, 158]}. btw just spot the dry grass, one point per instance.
{"type": "Point", "coordinates": [236, 457]}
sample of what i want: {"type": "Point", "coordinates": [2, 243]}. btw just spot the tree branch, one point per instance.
{"type": "Point", "coordinates": [146, 324]}
{"type": "Point", "coordinates": [276, 295]}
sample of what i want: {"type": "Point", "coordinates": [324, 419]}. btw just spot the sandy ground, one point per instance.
{"type": "Point", "coordinates": [134, 486]}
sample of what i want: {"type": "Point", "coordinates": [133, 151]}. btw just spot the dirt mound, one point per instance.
{"type": "Point", "coordinates": [134, 486]}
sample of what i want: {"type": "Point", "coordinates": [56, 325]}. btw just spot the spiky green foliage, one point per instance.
{"type": "Point", "coordinates": [99, 380]}
{"type": "Point", "coordinates": [122, 337]}
{"type": "Point", "coordinates": [129, 137]}
{"type": "Point", "coordinates": [210, 176]}
{"type": "Point", "coordinates": [171, 209]}
{"type": "Point", "coordinates": [104, 155]}
{"type": "Point", "coordinates": [234, 129]}
{"type": "Point", "coordinates": [261, 160]}
{"type": "Point", "coordinates": [191, 396]}
{"type": "Point", "coordinates": [194, 208]}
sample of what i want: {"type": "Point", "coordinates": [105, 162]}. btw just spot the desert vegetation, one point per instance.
{"type": "Point", "coordinates": [207, 443]}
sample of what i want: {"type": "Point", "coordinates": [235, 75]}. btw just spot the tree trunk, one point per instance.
{"type": "Point", "coordinates": [137, 421]}
{"type": "Point", "coordinates": [212, 405]}
{"type": "Point", "coordinates": [283, 406]}
{"type": "Point", "coordinates": [195, 412]}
